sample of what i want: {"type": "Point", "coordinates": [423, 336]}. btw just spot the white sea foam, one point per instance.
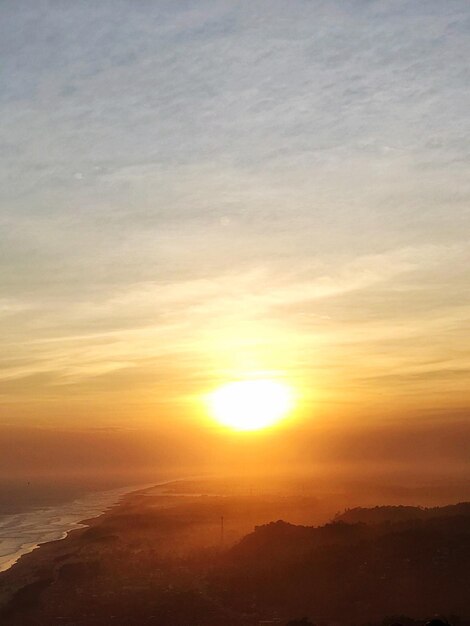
{"type": "Point", "coordinates": [23, 532]}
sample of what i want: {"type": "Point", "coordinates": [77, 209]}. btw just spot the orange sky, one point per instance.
{"type": "Point", "coordinates": [199, 193]}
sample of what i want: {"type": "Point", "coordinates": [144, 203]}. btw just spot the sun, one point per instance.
{"type": "Point", "coordinates": [250, 404]}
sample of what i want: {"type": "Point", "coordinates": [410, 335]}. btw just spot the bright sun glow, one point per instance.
{"type": "Point", "coordinates": [250, 404]}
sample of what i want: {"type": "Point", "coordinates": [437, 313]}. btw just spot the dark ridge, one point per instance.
{"type": "Point", "coordinates": [380, 514]}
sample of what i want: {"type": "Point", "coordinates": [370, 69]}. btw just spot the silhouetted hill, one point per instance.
{"type": "Point", "coordinates": [416, 566]}
{"type": "Point", "coordinates": [161, 560]}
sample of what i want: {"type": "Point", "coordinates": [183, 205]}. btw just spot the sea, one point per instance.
{"type": "Point", "coordinates": [23, 528]}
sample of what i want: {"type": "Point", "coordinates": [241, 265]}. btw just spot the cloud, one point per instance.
{"type": "Point", "coordinates": [182, 178]}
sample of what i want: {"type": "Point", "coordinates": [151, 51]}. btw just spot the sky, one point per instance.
{"type": "Point", "coordinates": [195, 192]}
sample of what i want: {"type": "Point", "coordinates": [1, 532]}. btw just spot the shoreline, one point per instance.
{"type": "Point", "coordinates": [27, 548]}
{"type": "Point", "coordinates": [45, 567]}
{"type": "Point", "coordinates": [39, 563]}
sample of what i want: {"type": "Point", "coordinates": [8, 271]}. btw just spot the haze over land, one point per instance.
{"type": "Point", "coordinates": [162, 558]}
{"type": "Point", "coordinates": [200, 192]}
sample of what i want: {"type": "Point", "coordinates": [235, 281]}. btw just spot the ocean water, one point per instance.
{"type": "Point", "coordinates": [25, 530]}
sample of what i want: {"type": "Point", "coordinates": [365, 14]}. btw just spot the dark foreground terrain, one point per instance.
{"type": "Point", "coordinates": [168, 559]}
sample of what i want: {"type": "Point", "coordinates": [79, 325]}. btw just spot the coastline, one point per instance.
{"type": "Point", "coordinates": [64, 517]}
{"type": "Point", "coordinates": [90, 546]}
{"type": "Point", "coordinates": [38, 564]}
